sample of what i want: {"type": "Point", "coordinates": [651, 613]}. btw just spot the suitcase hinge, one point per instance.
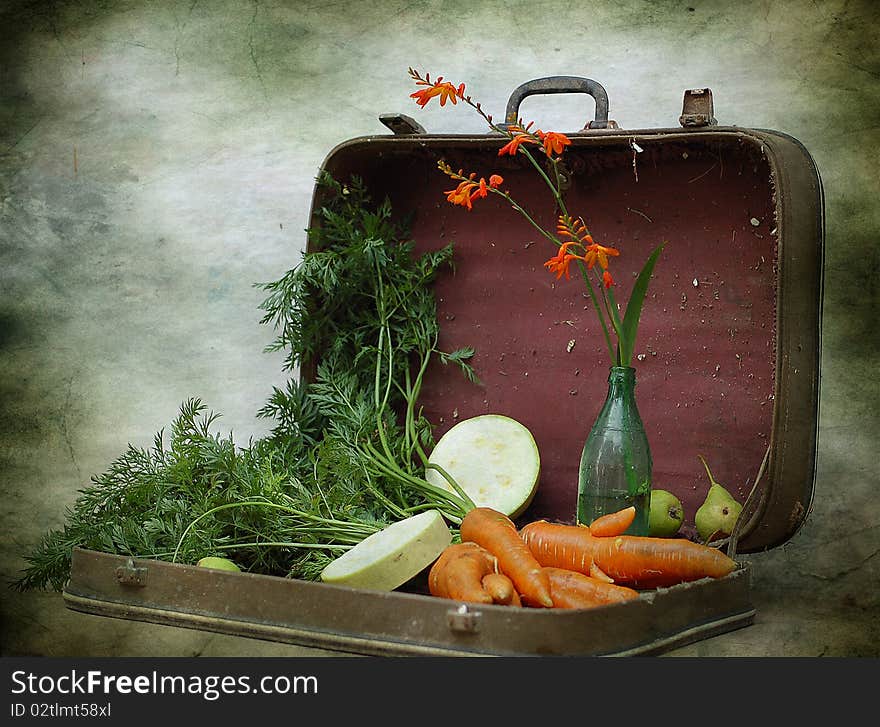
{"type": "Point", "coordinates": [697, 108]}
{"type": "Point", "coordinates": [402, 125]}
{"type": "Point", "coordinates": [463, 620]}
{"type": "Point", "coordinates": [131, 575]}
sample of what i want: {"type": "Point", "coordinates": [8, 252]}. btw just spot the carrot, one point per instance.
{"type": "Point", "coordinates": [571, 589]}
{"type": "Point", "coordinates": [614, 523]}
{"type": "Point", "coordinates": [437, 574]}
{"type": "Point", "coordinates": [467, 572]}
{"type": "Point", "coordinates": [496, 533]}
{"type": "Point", "coordinates": [464, 579]}
{"type": "Point", "coordinates": [600, 575]}
{"type": "Point", "coordinates": [458, 573]}
{"type": "Point", "coordinates": [500, 587]}
{"type": "Point", "coordinates": [636, 561]}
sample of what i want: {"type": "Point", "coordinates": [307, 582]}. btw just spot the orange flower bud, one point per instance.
{"type": "Point", "coordinates": [554, 142]}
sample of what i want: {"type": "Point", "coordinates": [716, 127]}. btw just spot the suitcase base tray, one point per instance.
{"type": "Point", "coordinates": [398, 623]}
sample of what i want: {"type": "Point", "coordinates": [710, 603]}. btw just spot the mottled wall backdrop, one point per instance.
{"type": "Point", "coordinates": [157, 160]}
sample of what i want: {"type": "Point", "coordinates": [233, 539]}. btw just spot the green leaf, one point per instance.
{"type": "Point", "coordinates": [460, 358]}
{"type": "Point", "coordinates": [630, 326]}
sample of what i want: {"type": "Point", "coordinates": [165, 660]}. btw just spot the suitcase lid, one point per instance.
{"type": "Point", "coordinates": [730, 334]}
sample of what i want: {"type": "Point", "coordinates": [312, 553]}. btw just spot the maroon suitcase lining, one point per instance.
{"type": "Point", "coordinates": [705, 354]}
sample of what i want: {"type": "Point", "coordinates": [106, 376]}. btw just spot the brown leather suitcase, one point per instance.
{"type": "Point", "coordinates": [727, 358]}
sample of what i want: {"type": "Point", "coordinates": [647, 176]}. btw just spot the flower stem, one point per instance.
{"type": "Point", "coordinates": [599, 314]}
{"type": "Point", "coordinates": [553, 188]}
{"type": "Point", "coordinates": [525, 214]}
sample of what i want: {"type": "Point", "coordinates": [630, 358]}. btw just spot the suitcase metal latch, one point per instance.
{"type": "Point", "coordinates": [697, 108]}
{"type": "Point", "coordinates": [131, 575]}
{"type": "Point", "coordinates": [463, 620]}
{"type": "Point", "coordinates": [402, 125]}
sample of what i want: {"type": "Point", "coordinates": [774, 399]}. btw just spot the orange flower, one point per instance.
{"type": "Point", "coordinates": [554, 142]}
{"type": "Point", "coordinates": [461, 195]}
{"type": "Point", "coordinates": [560, 254]}
{"type": "Point", "coordinates": [468, 190]}
{"type": "Point", "coordinates": [606, 279]}
{"type": "Point", "coordinates": [560, 262]}
{"type": "Point", "coordinates": [599, 252]}
{"type": "Point", "coordinates": [445, 90]}
{"type": "Point", "coordinates": [512, 146]}
{"type": "Point", "coordinates": [482, 190]}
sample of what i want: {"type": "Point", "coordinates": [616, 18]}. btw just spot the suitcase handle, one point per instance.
{"type": "Point", "coordinates": [560, 84]}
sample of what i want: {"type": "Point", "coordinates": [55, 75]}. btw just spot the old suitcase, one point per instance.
{"type": "Point", "coordinates": [727, 360]}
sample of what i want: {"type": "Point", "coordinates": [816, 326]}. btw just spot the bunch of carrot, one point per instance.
{"type": "Point", "coordinates": [553, 565]}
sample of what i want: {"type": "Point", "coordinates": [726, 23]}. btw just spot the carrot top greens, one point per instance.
{"type": "Point", "coordinates": [348, 446]}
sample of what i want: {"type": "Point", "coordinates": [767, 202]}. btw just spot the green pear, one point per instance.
{"type": "Point", "coordinates": [217, 563]}
{"type": "Point", "coordinates": [666, 514]}
{"type": "Point", "coordinates": [718, 514]}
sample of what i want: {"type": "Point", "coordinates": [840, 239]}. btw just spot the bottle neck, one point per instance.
{"type": "Point", "coordinates": [620, 410]}
{"type": "Point", "coordinates": [621, 381]}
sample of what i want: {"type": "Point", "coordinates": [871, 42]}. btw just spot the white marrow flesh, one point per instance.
{"type": "Point", "coordinates": [494, 459]}
{"type": "Point", "coordinates": [390, 557]}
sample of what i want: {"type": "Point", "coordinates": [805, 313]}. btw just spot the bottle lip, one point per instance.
{"type": "Point", "coordinates": [621, 373]}
{"type": "Point", "coordinates": [621, 370]}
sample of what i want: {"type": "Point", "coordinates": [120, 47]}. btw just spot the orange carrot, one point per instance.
{"type": "Point", "coordinates": [437, 574]}
{"type": "Point", "coordinates": [496, 533]}
{"type": "Point", "coordinates": [500, 587]}
{"type": "Point", "coordinates": [459, 571]}
{"type": "Point", "coordinates": [464, 579]}
{"type": "Point", "coordinates": [467, 572]}
{"type": "Point", "coordinates": [614, 523]}
{"type": "Point", "coordinates": [571, 589]}
{"type": "Point", "coordinates": [637, 561]}
{"type": "Point", "coordinates": [600, 575]}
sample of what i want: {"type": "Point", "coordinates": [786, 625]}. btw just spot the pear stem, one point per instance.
{"type": "Point", "coordinates": [711, 479]}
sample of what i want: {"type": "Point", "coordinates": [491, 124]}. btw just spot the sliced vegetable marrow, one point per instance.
{"type": "Point", "coordinates": [390, 557]}
{"type": "Point", "coordinates": [495, 460]}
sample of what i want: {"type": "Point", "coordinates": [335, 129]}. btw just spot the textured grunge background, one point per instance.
{"type": "Point", "coordinates": [157, 159]}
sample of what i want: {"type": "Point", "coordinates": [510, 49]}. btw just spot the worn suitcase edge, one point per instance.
{"type": "Point", "coordinates": [335, 618]}
{"type": "Point", "coordinates": [350, 644]}
{"type": "Point", "coordinates": [784, 508]}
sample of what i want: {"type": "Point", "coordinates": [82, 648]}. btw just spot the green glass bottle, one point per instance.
{"type": "Point", "coordinates": [615, 470]}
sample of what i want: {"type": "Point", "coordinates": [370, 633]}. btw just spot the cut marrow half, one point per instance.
{"type": "Point", "coordinates": [494, 459]}
{"type": "Point", "coordinates": [388, 558]}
